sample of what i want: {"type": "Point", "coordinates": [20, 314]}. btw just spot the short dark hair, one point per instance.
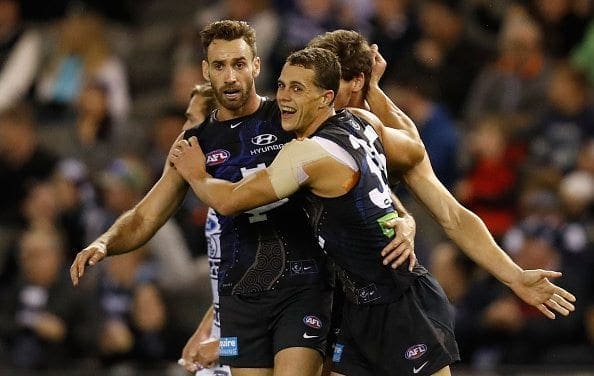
{"type": "Point", "coordinates": [228, 30]}
{"type": "Point", "coordinates": [205, 91]}
{"type": "Point", "coordinates": [353, 51]}
{"type": "Point", "coordinates": [323, 62]}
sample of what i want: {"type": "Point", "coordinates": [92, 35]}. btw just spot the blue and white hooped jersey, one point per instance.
{"type": "Point", "coordinates": [212, 232]}
{"type": "Point", "coordinates": [271, 246]}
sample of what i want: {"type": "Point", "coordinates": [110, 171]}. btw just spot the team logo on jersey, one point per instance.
{"type": "Point", "coordinates": [228, 346]}
{"type": "Point", "coordinates": [303, 267]}
{"type": "Point", "coordinates": [312, 322]}
{"type": "Point", "coordinates": [264, 139]}
{"type": "Point", "coordinates": [216, 157]}
{"type": "Point", "coordinates": [415, 351]}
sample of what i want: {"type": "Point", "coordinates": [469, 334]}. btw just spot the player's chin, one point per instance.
{"type": "Point", "coordinates": [287, 123]}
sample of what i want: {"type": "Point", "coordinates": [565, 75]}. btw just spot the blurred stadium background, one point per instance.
{"type": "Point", "coordinates": [92, 94]}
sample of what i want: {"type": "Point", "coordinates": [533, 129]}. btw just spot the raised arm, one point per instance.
{"type": "Point", "coordinates": [136, 226]}
{"type": "Point", "coordinates": [465, 228]}
{"type": "Point", "coordinates": [402, 151]}
{"type": "Point", "coordinates": [381, 104]}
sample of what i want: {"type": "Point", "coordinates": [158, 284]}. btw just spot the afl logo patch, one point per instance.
{"type": "Point", "coordinates": [415, 351]}
{"type": "Point", "coordinates": [216, 157]}
{"type": "Point", "coordinates": [264, 139]}
{"type": "Point", "coordinates": [312, 322]}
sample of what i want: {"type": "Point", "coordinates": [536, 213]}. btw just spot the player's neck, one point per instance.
{"type": "Point", "coordinates": [358, 100]}
{"type": "Point", "coordinates": [320, 118]}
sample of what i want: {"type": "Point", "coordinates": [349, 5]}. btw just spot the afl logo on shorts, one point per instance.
{"type": "Point", "coordinates": [312, 322]}
{"type": "Point", "coordinates": [264, 139]}
{"type": "Point", "coordinates": [416, 351]}
{"type": "Point", "coordinates": [216, 157]}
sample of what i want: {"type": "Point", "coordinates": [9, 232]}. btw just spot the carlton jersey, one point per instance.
{"type": "Point", "coordinates": [271, 246]}
{"type": "Point", "coordinates": [350, 228]}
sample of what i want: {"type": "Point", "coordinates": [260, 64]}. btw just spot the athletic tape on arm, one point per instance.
{"type": "Point", "coordinates": [286, 171]}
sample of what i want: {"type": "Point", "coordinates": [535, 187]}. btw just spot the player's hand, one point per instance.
{"type": "Point", "coordinates": [91, 255]}
{"type": "Point", "coordinates": [402, 247]}
{"type": "Point", "coordinates": [191, 358]}
{"type": "Point", "coordinates": [534, 288]}
{"type": "Point", "coordinates": [189, 160]}
{"type": "Point", "coordinates": [379, 66]}
{"type": "Point", "coordinates": [208, 352]}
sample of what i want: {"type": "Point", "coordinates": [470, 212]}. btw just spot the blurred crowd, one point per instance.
{"type": "Point", "coordinates": [502, 94]}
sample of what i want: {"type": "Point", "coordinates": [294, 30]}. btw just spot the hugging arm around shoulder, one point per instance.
{"type": "Point", "coordinates": [281, 179]}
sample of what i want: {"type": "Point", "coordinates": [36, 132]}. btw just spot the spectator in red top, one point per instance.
{"type": "Point", "coordinates": [488, 187]}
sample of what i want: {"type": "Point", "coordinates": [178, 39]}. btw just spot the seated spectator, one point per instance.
{"type": "Point", "coordinates": [569, 120]}
{"type": "Point", "coordinates": [503, 330]}
{"type": "Point", "coordinates": [394, 29]}
{"type": "Point", "coordinates": [167, 125]}
{"type": "Point", "coordinates": [82, 55]}
{"type": "Point", "coordinates": [444, 54]}
{"type": "Point", "coordinates": [75, 198]}
{"type": "Point", "coordinates": [132, 315]}
{"type": "Point", "coordinates": [20, 55]}
{"type": "Point", "coordinates": [22, 162]}
{"type": "Point", "coordinates": [488, 188]}
{"type": "Point", "coordinates": [415, 94]}
{"type": "Point", "coordinates": [515, 83]}
{"type": "Point", "coordinates": [43, 320]}
{"type": "Point", "coordinates": [564, 22]}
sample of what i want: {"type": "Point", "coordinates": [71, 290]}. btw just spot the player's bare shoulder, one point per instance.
{"type": "Point", "coordinates": [368, 116]}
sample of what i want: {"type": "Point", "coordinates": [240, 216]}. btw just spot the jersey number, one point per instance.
{"type": "Point", "coordinates": [377, 165]}
{"type": "Point", "coordinates": [259, 214]}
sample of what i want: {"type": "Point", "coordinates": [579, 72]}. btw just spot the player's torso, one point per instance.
{"type": "Point", "coordinates": [269, 247]}
{"type": "Point", "coordinates": [350, 228]}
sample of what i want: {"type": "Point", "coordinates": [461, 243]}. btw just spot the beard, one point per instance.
{"type": "Point", "coordinates": [233, 104]}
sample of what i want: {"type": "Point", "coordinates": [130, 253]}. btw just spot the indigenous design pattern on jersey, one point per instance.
{"type": "Point", "coordinates": [260, 248]}
{"type": "Point", "coordinates": [351, 228]}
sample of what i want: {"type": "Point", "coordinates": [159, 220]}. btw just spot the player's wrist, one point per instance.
{"type": "Point", "coordinates": [100, 247]}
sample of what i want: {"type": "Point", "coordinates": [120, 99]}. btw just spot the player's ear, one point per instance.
{"type": "Point", "coordinates": [327, 98]}
{"type": "Point", "coordinates": [205, 70]}
{"type": "Point", "coordinates": [256, 71]}
{"type": "Point", "coordinates": [358, 82]}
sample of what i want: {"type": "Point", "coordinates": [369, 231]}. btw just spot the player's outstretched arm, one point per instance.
{"type": "Point", "coordinates": [136, 226]}
{"type": "Point", "coordinates": [465, 228]}
{"type": "Point", "coordinates": [471, 235]}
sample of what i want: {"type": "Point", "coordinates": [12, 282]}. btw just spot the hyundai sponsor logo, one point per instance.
{"type": "Point", "coordinates": [264, 139]}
